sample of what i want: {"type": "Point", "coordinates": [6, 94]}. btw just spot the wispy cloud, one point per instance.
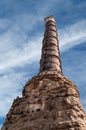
{"type": "Point", "coordinates": [15, 57]}
{"type": "Point", "coordinates": [72, 35]}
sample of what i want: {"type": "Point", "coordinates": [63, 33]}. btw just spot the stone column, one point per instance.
{"type": "Point", "coordinates": [50, 58]}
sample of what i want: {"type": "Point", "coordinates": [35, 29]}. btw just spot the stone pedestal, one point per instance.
{"type": "Point", "coordinates": [50, 102]}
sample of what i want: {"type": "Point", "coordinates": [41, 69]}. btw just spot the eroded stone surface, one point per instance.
{"type": "Point", "coordinates": [49, 102]}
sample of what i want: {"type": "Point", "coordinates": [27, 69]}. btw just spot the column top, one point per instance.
{"type": "Point", "coordinates": [49, 18]}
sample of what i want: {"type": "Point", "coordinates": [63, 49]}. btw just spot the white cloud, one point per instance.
{"type": "Point", "coordinates": [16, 48]}
{"type": "Point", "coordinates": [19, 56]}
{"type": "Point", "coordinates": [72, 35]}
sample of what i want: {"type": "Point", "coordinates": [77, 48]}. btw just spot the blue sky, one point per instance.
{"type": "Point", "coordinates": [21, 34]}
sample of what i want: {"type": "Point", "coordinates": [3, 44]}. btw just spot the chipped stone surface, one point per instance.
{"type": "Point", "coordinates": [49, 102]}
